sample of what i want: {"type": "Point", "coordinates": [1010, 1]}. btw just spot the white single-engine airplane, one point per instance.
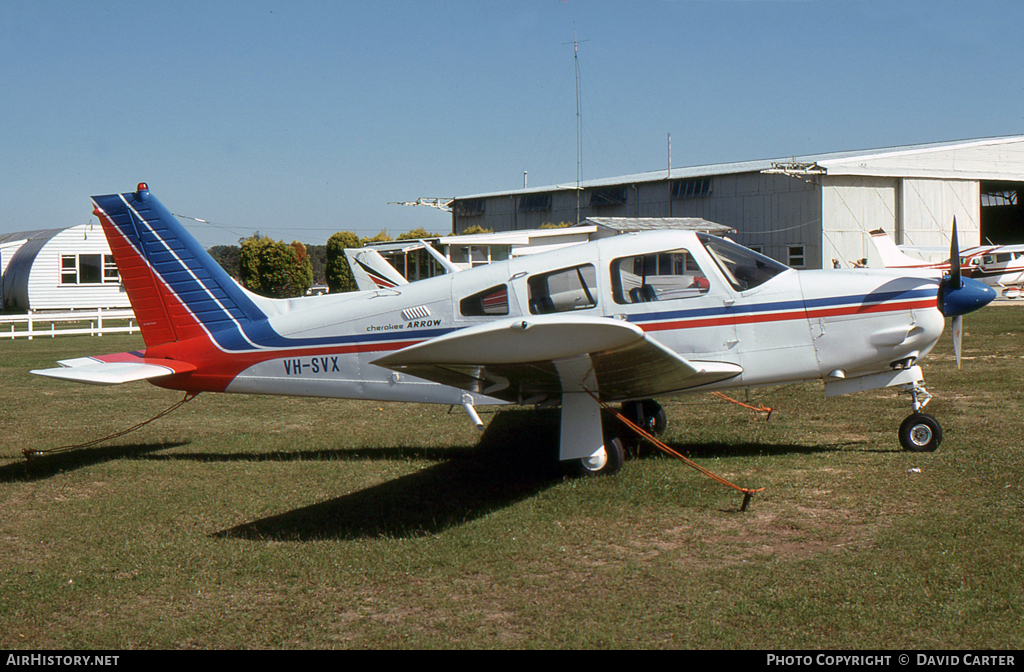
{"type": "Point", "coordinates": [1001, 267]}
{"type": "Point", "coordinates": [371, 270]}
{"type": "Point", "coordinates": [623, 319]}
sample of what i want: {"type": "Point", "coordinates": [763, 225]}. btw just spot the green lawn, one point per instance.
{"type": "Point", "coordinates": [250, 522]}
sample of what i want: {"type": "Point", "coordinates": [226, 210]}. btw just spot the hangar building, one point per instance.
{"type": "Point", "coordinates": [805, 211]}
{"type": "Point", "coordinates": [59, 269]}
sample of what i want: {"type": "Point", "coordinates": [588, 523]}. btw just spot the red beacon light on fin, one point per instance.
{"type": "Point", "coordinates": [142, 187]}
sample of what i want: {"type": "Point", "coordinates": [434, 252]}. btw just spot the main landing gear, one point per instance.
{"type": "Point", "coordinates": [606, 461]}
{"type": "Point", "coordinates": [920, 432]}
{"type": "Point", "coordinates": [648, 415]}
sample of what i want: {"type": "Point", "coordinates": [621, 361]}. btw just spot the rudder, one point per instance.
{"type": "Point", "coordinates": [176, 289]}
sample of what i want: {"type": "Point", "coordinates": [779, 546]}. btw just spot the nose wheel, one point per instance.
{"type": "Point", "coordinates": [920, 432]}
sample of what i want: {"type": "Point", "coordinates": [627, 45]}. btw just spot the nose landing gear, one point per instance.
{"type": "Point", "coordinates": [920, 432]}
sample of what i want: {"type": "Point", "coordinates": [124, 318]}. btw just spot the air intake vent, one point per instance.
{"type": "Point", "coordinates": [417, 313]}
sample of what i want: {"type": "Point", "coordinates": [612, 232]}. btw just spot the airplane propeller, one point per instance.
{"type": "Point", "coordinates": [959, 296]}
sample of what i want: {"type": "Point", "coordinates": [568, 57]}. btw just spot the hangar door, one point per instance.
{"type": "Point", "coordinates": [1002, 213]}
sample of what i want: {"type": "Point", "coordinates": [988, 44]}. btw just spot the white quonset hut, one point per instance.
{"type": "Point", "coordinates": [59, 269]}
{"type": "Point", "coordinates": [807, 211]}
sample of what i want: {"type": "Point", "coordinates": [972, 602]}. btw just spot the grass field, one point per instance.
{"type": "Point", "coordinates": [250, 522]}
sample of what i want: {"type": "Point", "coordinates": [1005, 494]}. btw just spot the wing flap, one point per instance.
{"type": "Point", "coordinates": [515, 359]}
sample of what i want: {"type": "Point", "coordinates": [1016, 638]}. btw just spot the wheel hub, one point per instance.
{"type": "Point", "coordinates": [596, 461]}
{"type": "Point", "coordinates": [921, 435]}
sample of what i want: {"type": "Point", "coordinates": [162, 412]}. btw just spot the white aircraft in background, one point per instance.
{"type": "Point", "coordinates": [998, 266]}
{"type": "Point", "coordinates": [371, 270]}
{"type": "Point", "coordinates": [619, 320]}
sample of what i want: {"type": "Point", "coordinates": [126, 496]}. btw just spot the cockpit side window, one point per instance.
{"type": "Point", "coordinates": [673, 274]}
{"type": "Point", "coordinates": [742, 267]}
{"type": "Point", "coordinates": [491, 301]}
{"type": "Point", "coordinates": [564, 290]}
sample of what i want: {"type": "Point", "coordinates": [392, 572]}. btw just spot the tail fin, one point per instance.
{"type": "Point", "coordinates": [892, 256]}
{"type": "Point", "coordinates": [177, 290]}
{"type": "Point", "coordinates": [372, 271]}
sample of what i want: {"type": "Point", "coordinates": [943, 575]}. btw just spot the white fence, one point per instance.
{"type": "Point", "coordinates": [32, 324]}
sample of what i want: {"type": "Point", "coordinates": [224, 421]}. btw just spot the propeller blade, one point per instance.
{"type": "Point", "coordinates": [958, 332]}
{"type": "Point", "coordinates": [954, 260]}
{"type": "Point", "coordinates": [957, 295]}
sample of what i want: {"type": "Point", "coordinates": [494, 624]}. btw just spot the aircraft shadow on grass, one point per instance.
{"type": "Point", "coordinates": [514, 461]}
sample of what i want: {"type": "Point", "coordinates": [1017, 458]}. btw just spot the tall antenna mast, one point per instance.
{"type": "Point", "coordinates": [579, 122]}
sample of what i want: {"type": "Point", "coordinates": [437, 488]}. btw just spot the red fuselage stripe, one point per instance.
{"type": "Point", "coordinates": [787, 315]}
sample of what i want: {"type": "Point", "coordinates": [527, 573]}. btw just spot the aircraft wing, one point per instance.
{"type": "Point", "coordinates": [124, 367]}
{"type": "Point", "coordinates": [518, 359]}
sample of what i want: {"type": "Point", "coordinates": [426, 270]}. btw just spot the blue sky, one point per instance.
{"type": "Point", "coordinates": [299, 118]}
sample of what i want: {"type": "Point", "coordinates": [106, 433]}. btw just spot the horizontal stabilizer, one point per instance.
{"type": "Point", "coordinates": [517, 359]}
{"type": "Point", "coordinates": [114, 369]}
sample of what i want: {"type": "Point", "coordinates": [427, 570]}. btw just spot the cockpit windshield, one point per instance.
{"type": "Point", "coordinates": [742, 267]}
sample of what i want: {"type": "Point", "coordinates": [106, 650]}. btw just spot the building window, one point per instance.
{"type": "Point", "coordinates": [698, 187]}
{"type": "Point", "coordinates": [470, 208]}
{"type": "Point", "coordinates": [68, 269]}
{"type": "Point", "coordinates": [796, 257]}
{"type": "Point", "coordinates": [88, 269]}
{"type": "Point", "coordinates": [477, 255]}
{"type": "Point", "coordinates": [110, 273]}
{"type": "Point", "coordinates": [998, 197]}
{"type": "Point", "coordinates": [535, 203]}
{"type": "Point", "coordinates": [600, 198]}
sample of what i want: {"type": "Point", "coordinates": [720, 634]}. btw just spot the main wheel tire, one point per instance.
{"type": "Point", "coordinates": [647, 414]}
{"type": "Point", "coordinates": [655, 419]}
{"type": "Point", "coordinates": [920, 433]}
{"type": "Point", "coordinates": [607, 461]}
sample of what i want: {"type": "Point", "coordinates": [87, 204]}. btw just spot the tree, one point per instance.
{"type": "Point", "coordinates": [416, 234]}
{"type": "Point", "coordinates": [339, 275]}
{"type": "Point", "coordinates": [476, 228]}
{"type": "Point", "coordinates": [227, 256]}
{"type": "Point", "coordinates": [381, 237]}
{"type": "Point", "coordinates": [301, 271]}
{"type": "Point", "coordinates": [270, 268]}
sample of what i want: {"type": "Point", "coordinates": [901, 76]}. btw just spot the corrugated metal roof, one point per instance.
{"type": "Point", "coordinates": [519, 237]}
{"type": "Point", "coordinates": [753, 166]}
{"type": "Point", "coordinates": [635, 224]}
{"type": "Point", "coordinates": [44, 234]}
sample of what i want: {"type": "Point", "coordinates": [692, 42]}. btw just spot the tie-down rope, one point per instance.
{"type": "Point", "coordinates": [30, 453]}
{"type": "Point", "coordinates": [748, 493]}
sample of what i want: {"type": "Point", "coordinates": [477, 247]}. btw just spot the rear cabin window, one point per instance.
{"type": "Point", "coordinates": [492, 301]}
{"type": "Point", "coordinates": [564, 290]}
{"type": "Point", "coordinates": [673, 274]}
